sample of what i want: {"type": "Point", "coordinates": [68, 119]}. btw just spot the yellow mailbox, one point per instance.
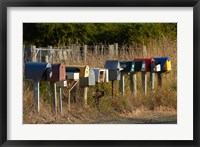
{"type": "Point", "coordinates": [84, 71]}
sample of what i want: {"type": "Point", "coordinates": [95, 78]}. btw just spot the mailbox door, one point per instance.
{"type": "Point", "coordinates": [106, 75]}
{"type": "Point", "coordinates": [167, 65]}
{"type": "Point", "coordinates": [91, 78]}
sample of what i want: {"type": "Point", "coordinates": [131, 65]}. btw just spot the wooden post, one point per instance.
{"type": "Point", "coordinates": [144, 51]}
{"type": "Point", "coordinates": [112, 88]}
{"type": "Point", "coordinates": [85, 96]}
{"type": "Point", "coordinates": [159, 74]}
{"type": "Point", "coordinates": [121, 83]}
{"type": "Point", "coordinates": [111, 51]}
{"type": "Point", "coordinates": [85, 54]}
{"type": "Point", "coordinates": [116, 49]}
{"type": "Point", "coordinates": [144, 82]}
{"type": "Point", "coordinates": [60, 96]}
{"type": "Point", "coordinates": [53, 95]}
{"type": "Point", "coordinates": [152, 80]}
{"type": "Point", "coordinates": [52, 54]}
{"type": "Point", "coordinates": [37, 96]}
{"type": "Point", "coordinates": [33, 48]}
{"type": "Point", "coordinates": [69, 101]}
{"type": "Point", "coordinates": [133, 83]}
{"type": "Point", "coordinates": [95, 50]}
{"type": "Point", "coordinates": [40, 55]}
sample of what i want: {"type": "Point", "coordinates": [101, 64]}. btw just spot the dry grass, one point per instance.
{"type": "Point", "coordinates": [156, 104]}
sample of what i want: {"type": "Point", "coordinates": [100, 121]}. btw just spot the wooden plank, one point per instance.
{"type": "Point", "coordinates": [53, 96]}
{"type": "Point", "coordinates": [144, 82]}
{"type": "Point", "coordinates": [37, 96]}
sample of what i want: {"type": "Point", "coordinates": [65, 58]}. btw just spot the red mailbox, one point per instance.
{"type": "Point", "coordinates": [58, 72]}
{"type": "Point", "coordinates": [149, 62]}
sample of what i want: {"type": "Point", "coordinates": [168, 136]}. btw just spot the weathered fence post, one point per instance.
{"type": "Point", "coordinates": [144, 51]}
{"type": "Point", "coordinates": [33, 50]}
{"type": "Point", "coordinates": [116, 49]}
{"type": "Point", "coordinates": [85, 54]}
{"type": "Point", "coordinates": [133, 83]}
{"type": "Point", "coordinates": [37, 95]}
{"type": "Point", "coordinates": [50, 54]}
{"type": "Point", "coordinates": [111, 51]}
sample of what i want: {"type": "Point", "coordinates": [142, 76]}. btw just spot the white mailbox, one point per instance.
{"type": "Point", "coordinates": [99, 75]}
{"type": "Point", "coordinates": [72, 76]}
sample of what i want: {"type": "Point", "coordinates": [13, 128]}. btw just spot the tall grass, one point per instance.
{"type": "Point", "coordinates": [165, 97]}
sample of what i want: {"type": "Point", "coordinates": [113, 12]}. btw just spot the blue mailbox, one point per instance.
{"type": "Point", "coordinates": [164, 63]}
{"type": "Point", "coordinates": [114, 69]}
{"type": "Point", "coordinates": [39, 71]}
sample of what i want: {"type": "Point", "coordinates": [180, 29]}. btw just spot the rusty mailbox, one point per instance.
{"type": "Point", "coordinates": [58, 72]}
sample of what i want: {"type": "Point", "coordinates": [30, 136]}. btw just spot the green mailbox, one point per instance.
{"type": "Point", "coordinates": [127, 66]}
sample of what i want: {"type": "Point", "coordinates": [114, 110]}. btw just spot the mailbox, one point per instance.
{"type": "Point", "coordinates": [127, 66]}
{"type": "Point", "coordinates": [149, 63]}
{"type": "Point", "coordinates": [84, 71]}
{"type": "Point", "coordinates": [165, 63]}
{"type": "Point", "coordinates": [72, 73]}
{"type": "Point", "coordinates": [99, 75]}
{"type": "Point", "coordinates": [114, 69]}
{"type": "Point", "coordinates": [88, 81]}
{"type": "Point", "coordinates": [58, 72]}
{"type": "Point", "coordinates": [139, 66]}
{"type": "Point", "coordinates": [39, 71]}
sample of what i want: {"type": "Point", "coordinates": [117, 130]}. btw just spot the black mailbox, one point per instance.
{"type": "Point", "coordinates": [114, 69]}
{"type": "Point", "coordinates": [39, 71]}
{"type": "Point", "coordinates": [127, 66]}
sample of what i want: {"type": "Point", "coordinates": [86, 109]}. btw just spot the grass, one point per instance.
{"type": "Point", "coordinates": [156, 104]}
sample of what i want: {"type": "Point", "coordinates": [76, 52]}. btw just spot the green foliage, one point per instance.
{"type": "Point", "coordinates": [60, 34]}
